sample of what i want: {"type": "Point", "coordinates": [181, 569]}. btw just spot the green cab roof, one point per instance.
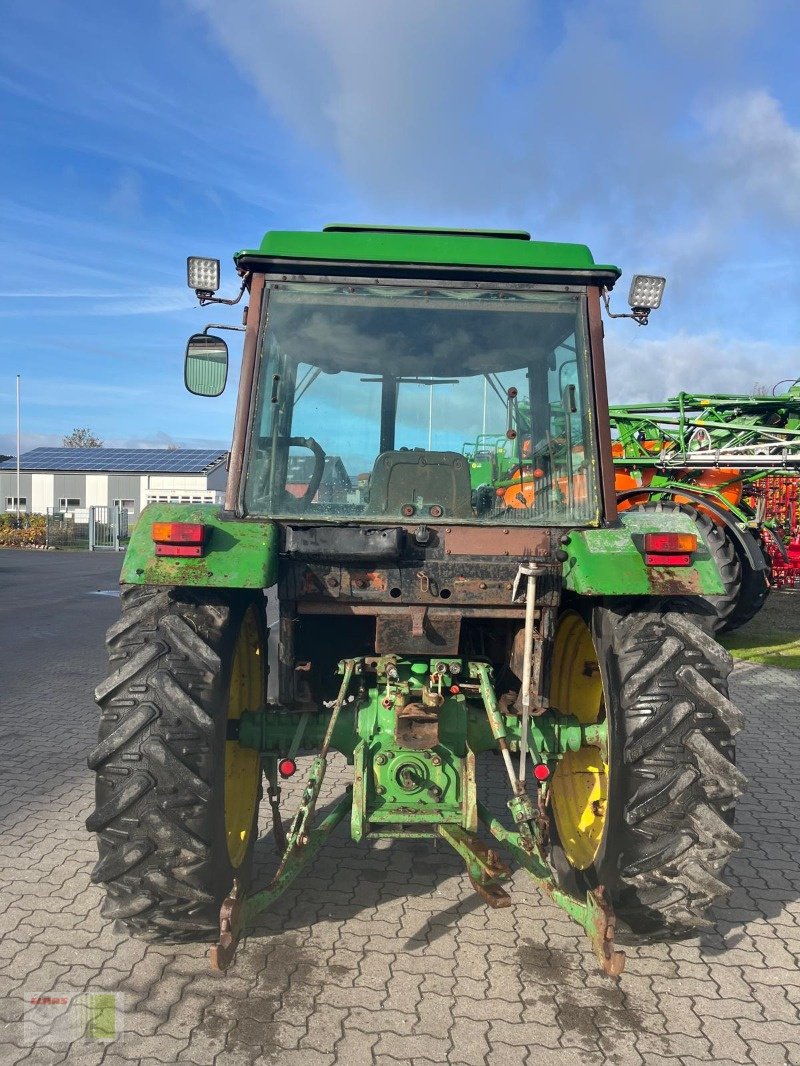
{"type": "Point", "coordinates": [510, 249]}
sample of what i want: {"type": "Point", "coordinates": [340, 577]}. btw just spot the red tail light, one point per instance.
{"type": "Point", "coordinates": [179, 538]}
{"type": "Point", "coordinates": [678, 559]}
{"type": "Point", "coordinates": [669, 549]}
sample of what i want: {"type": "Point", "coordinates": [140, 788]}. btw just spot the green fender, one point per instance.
{"type": "Point", "coordinates": [238, 554]}
{"type": "Point", "coordinates": [610, 561]}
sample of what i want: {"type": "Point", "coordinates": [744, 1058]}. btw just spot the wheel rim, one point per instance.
{"type": "Point", "coordinates": [579, 787]}
{"type": "Point", "coordinates": [243, 765]}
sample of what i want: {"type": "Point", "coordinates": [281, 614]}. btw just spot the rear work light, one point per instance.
{"type": "Point", "coordinates": [669, 549]}
{"type": "Point", "coordinates": [179, 538]}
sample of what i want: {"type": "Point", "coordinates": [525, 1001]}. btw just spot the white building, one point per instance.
{"type": "Point", "coordinates": [72, 479]}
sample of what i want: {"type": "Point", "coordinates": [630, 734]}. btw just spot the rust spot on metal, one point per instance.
{"type": "Point", "coordinates": [230, 923]}
{"type": "Point", "coordinates": [369, 580]}
{"type": "Point", "coordinates": [426, 632]}
{"type": "Point", "coordinates": [601, 928]}
{"type": "Point", "coordinates": [674, 581]}
{"type": "Point", "coordinates": [417, 727]}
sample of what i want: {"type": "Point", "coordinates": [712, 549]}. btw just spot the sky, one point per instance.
{"type": "Point", "coordinates": [665, 134]}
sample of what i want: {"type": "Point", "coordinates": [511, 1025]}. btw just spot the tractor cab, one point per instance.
{"type": "Point", "coordinates": [385, 349]}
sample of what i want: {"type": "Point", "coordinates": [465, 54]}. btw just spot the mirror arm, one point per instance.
{"type": "Point", "coordinates": [220, 325]}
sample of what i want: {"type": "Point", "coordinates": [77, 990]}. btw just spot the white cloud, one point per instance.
{"type": "Point", "coordinates": [757, 152]}
{"type": "Point", "coordinates": [642, 369]}
{"type": "Point", "coordinates": [155, 300]}
{"type": "Point", "coordinates": [400, 93]}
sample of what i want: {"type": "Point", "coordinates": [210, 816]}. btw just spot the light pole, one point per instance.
{"type": "Point", "coordinates": [17, 449]}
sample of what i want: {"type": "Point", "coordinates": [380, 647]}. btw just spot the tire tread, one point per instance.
{"type": "Point", "coordinates": [156, 765]}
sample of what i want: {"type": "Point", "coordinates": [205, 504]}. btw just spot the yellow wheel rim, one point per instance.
{"type": "Point", "coordinates": [243, 765]}
{"type": "Point", "coordinates": [579, 788]}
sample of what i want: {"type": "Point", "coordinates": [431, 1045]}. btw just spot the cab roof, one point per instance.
{"type": "Point", "coordinates": [404, 248]}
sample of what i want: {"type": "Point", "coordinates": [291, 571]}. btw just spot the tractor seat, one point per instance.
{"type": "Point", "coordinates": [418, 484]}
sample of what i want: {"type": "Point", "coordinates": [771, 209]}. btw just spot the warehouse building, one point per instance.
{"type": "Point", "coordinates": [69, 480]}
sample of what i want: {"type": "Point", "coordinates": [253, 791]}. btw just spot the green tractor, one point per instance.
{"type": "Point", "coordinates": [418, 629]}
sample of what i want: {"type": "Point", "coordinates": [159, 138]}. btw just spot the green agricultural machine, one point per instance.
{"type": "Point", "coordinates": [418, 628]}
{"type": "Point", "coordinates": [709, 455]}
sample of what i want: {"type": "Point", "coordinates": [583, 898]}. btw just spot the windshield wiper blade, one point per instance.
{"type": "Point", "coordinates": [311, 376]}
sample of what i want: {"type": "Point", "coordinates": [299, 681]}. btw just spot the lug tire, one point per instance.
{"type": "Point", "coordinates": [160, 761]}
{"type": "Point", "coordinates": [672, 783]}
{"type": "Point", "coordinates": [753, 588]}
{"type": "Point", "coordinates": [723, 552]}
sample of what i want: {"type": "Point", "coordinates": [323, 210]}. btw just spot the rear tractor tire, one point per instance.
{"type": "Point", "coordinates": [650, 818]}
{"type": "Point", "coordinates": [754, 586]}
{"type": "Point", "coordinates": [176, 801]}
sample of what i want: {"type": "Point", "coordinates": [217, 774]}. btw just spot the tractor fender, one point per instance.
{"type": "Point", "coordinates": [236, 554]}
{"type": "Point", "coordinates": [776, 542]}
{"type": "Point", "coordinates": [610, 560]}
{"type": "Point", "coordinates": [748, 544]}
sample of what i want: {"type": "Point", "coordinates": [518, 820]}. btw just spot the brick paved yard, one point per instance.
{"type": "Point", "coordinates": [383, 954]}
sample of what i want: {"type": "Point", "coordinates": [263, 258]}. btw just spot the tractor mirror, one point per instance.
{"type": "Point", "coordinates": [205, 369]}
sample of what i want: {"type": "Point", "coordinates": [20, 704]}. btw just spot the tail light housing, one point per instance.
{"type": "Point", "coordinates": [179, 538]}
{"type": "Point", "coordinates": [669, 549]}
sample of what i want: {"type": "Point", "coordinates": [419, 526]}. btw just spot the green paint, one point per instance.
{"type": "Point", "coordinates": [418, 785]}
{"type": "Point", "coordinates": [450, 248]}
{"type": "Point", "coordinates": [238, 554]}
{"type": "Point", "coordinates": [512, 840]}
{"type": "Point", "coordinates": [272, 731]}
{"type": "Point", "coordinates": [485, 869]}
{"type": "Point", "coordinates": [610, 562]}
{"type": "Point", "coordinates": [297, 855]}
{"type": "Point", "coordinates": [463, 725]}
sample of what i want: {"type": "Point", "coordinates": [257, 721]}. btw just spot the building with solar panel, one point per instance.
{"type": "Point", "coordinates": [70, 480]}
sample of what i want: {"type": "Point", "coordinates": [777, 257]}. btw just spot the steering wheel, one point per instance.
{"type": "Point", "coordinates": [319, 469]}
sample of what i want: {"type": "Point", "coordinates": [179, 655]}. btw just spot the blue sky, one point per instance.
{"type": "Point", "coordinates": [663, 133]}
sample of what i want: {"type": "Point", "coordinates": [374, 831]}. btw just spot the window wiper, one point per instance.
{"type": "Point", "coordinates": [311, 376]}
{"type": "Point", "coordinates": [496, 386]}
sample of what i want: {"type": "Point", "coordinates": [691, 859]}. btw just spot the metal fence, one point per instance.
{"type": "Point", "coordinates": [92, 528]}
{"type": "Point", "coordinates": [108, 527]}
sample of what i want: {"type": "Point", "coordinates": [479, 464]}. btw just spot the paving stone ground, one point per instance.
{"type": "Point", "coordinates": [383, 953]}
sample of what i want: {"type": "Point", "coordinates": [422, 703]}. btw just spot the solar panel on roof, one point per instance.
{"type": "Point", "coordinates": [118, 460]}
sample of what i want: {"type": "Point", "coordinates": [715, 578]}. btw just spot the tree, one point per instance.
{"type": "Point", "coordinates": [82, 437]}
